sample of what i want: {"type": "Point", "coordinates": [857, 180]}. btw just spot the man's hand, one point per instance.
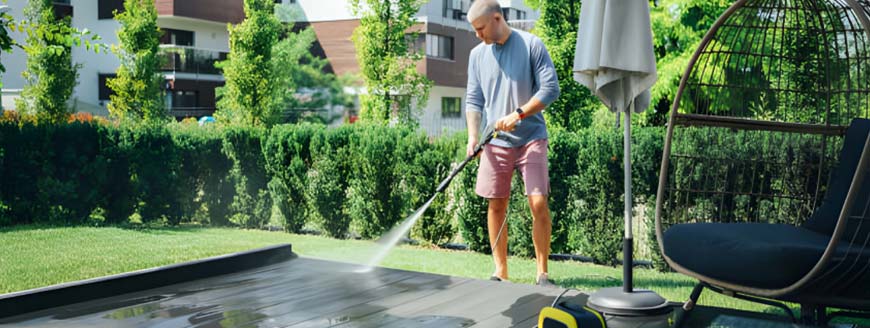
{"type": "Point", "coordinates": [469, 150]}
{"type": "Point", "coordinates": [508, 123]}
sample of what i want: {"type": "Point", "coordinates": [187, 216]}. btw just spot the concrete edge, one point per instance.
{"type": "Point", "coordinates": [31, 300]}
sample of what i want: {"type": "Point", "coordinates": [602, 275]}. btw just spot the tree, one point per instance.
{"type": "Point", "coordinates": [50, 75]}
{"type": "Point", "coordinates": [250, 90]}
{"type": "Point", "coordinates": [303, 86]}
{"type": "Point", "coordinates": [7, 24]}
{"type": "Point", "coordinates": [678, 26]}
{"type": "Point", "coordinates": [386, 64]}
{"type": "Point", "coordinates": [138, 85]}
{"type": "Point", "coordinates": [6, 41]}
{"type": "Point", "coordinates": [557, 27]}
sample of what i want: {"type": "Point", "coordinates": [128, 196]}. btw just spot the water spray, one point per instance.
{"type": "Point", "coordinates": [391, 238]}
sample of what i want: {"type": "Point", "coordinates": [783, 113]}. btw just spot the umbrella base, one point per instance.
{"type": "Point", "coordinates": [639, 308]}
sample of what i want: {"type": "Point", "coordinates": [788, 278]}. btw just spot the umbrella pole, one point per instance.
{"type": "Point", "coordinates": [643, 305]}
{"type": "Point", "coordinates": [627, 241]}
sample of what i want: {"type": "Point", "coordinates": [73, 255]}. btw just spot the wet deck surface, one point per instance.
{"type": "Point", "coordinates": [306, 292]}
{"type": "Point", "coordinates": [311, 293]}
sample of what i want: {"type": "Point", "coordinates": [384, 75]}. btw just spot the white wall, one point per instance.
{"type": "Point", "coordinates": [431, 120]}
{"type": "Point", "coordinates": [14, 62]}
{"type": "Point", "coordinates": [206, 34]}
{"type": "Point", "coordinates": [433, 12]}
{"type": "Point", "coordinates": [86, 93]}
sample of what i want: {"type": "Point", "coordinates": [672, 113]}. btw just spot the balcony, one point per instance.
{"type": "Point", "coordinates": [182, 59]}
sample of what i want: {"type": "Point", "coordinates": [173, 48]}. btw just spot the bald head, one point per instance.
{"type": "Point", "coordinates": [483, 8]}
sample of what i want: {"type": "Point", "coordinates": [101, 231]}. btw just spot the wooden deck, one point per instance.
{"type": "Point", "coordinates": [304, 292]}
{"type": "Point", "coordinates": [311, 293]}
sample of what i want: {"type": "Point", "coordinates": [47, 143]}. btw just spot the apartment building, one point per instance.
{"type": "Point", "coordinates": [446, 37]}
{"type": "Point", "coordinates": [196, 36]}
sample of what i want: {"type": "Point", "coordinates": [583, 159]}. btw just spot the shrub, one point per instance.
{"type": "Point", "coordinates": [252, 204]}
{"type": "Point", "coordinates": [423, 167]}
{"type": "Point", "coordinates": [470, 210]}
{"type": "Point", "coordinates": [119, 195]}
{"type": "Point", "coordinates": [328, 180]}
{"type": "Point", "coordinates": [374, 195]}
{"type": "Point", "coordinates": [594, 204]}
{"type": "Point", "coordinates": [562, 157]}
{"type": "Point", "coordinates": [155, 163]}
{"type": "Point", "coordinates": [288, 159]}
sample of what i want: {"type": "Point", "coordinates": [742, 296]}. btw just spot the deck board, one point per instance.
{"type": "Point", "coordinates": [305, 292]}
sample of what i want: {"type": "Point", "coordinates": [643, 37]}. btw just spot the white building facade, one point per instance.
{"type": "Point", "coordinates": [196, 36]}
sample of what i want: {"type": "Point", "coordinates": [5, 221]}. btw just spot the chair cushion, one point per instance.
{"type": "Point", "coordinates": [751, 254]}
{"type": "Point", "coordinates": [824, 218]}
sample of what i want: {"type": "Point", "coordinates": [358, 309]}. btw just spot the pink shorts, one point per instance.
{"type": "Point", "coordinates": [497, 166]}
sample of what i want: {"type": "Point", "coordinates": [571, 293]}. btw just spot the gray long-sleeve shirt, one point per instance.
{"type": "Point", "coordinates": [504, 77]}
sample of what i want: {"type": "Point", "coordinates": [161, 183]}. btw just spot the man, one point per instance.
{"type": "Point", "coordinates": [511, 79]}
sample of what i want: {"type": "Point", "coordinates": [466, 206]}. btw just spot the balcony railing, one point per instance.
{"type": "Point", "coordinates": [181, 59]}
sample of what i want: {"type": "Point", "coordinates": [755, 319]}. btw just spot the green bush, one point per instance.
{"type": "Point", "coordinates": [119, 196]}
{"type": "Point", "coordinates": [595, 204]}
{"type": "Point", "coordinates": [470, 209]}
{"type": "Point", "coordinates": [73, 189]}
{"type": "Point", "coordinates": [328, 180]}
{"type": "Point", "coordinates": [423, 166]}
{"type": "Point", "coordinates": [374, 195]}
{"type": "Point", "coordinates": [155, 163]}
{"type": "Point", "coordinates": [252, 204]}
{"type": "Point", "coordinates": [204, 175]}
{"type": "Point", "coordinates": [27, 150]}
{"type": "Point", "coordinates": [288, 158]}
{"type": "Point", "coordinates": [562, 157]}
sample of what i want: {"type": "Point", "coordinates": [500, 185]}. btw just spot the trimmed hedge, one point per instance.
{"type": "Point", "coordinates": [352, 180]}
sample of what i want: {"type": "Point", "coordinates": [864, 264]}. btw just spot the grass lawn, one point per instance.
{"type": "Point", "coordinates": [32, 257]}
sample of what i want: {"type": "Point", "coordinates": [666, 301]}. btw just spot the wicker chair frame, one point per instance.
{"type": "Point", "coordinates": [740, 83]}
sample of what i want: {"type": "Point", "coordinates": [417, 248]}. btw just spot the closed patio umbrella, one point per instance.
{"type": "Point", "coordinates": [614, 58]}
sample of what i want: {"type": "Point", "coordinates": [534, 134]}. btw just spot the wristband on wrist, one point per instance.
{"type": "Point", "coordinates": [521, 113]}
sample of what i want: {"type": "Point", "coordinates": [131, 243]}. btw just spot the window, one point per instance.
{"type": "Point", "coordinates": [506, 13]}
{"type": "Point", "coordinates": [106, 8]}
{"type": "Point", "coordinates": [521, 15]}
{"type": "Point", "coordinates": [188, 99]}
{"type": "Point", "coordinates": [453, 9]}
{"type": "Point", "coordinates": [177, 37]}
{"type": "Point", "coordinates": [104, 92]}
{"type": "Point", "coordinates": [439, 46]}
{"type": "Point", "coordinates": [451, 107]}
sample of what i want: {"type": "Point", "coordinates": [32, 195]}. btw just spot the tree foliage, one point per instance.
{"type": "Point", "coordinates": [249, 94]}
{"type": "Point", "coordinates": [6, 41]}
{"type": "Point", "coordinates": [272, 76]}
{"type": "Point", "coordinates": [76, 37]}
{"type": "Point", "coordinates": [387, 62]}
{"type": "Point", "coordinates": [50, 75]}
{"type": "Point", "coordinates": [138, 86]}
{"type": "Point", "coordinates": [557, 27]}
{"type": "Point", "coordinates": [677, 26]}
{"type": "Point", "coordinates": [304, 86]}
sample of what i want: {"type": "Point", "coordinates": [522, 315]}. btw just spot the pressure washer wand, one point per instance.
{"type": "Point", "coordinates": [489, 134]}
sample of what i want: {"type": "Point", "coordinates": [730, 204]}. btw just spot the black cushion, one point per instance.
{"type": "Point", "coordinates": [825, 217]}
{"type": "Point", "coordinates": [751, 254]}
